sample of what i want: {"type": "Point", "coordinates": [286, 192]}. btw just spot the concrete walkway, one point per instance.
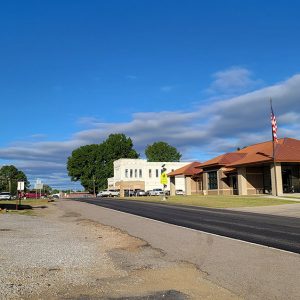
{"type": "Point", "coordinates": [284, 197]}
{"type": "Point", "coordinates": [289, 210]}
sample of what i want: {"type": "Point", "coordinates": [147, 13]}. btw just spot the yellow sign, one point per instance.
{"type": "Point", "coordinates": [163, 178]}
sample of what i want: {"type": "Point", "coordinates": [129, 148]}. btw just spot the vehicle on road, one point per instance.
{"type": "Point", "coordinates": [5, 196]}
{"type": "Point", "coordinates": [109, 193]}
{"type": "Point", "coordinates": [179, 192]}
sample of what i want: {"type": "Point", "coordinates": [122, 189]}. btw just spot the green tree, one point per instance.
{"type": "Point", "coordinates": [9, 177]}
{"type": "Point", "coordinates": [93, 164]}
{"type": "Point", "coordinates": [161, 151]}
{"type": "Point", "coordinates": [47, 189]}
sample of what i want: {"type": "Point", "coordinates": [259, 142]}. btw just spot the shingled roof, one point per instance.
{"type": "Point", "coordinates": [287, 150]}
{"type": "Point", "coordinates": [188, 170]}
{"type": "Point", "coordinates": [224, 159]}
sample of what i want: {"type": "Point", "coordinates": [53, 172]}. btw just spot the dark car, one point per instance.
{"type": "Point", "coordinates": [129, 193]}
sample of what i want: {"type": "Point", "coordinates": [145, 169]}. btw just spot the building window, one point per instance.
{"type": "Point", "coordinates": [140, 173]}
{"type": "Point", "coordinates": [150, 173]}
{"type": "Point", "coordinates": [131, 173]}
{"type": "Point", "coordinates": [212, 180]}
{"type": "Point", "coordinates": [135, 173]}
{"type": "Point", "coordinates": [126, 173]}
{"type": "Point", "coordinates": [156, 173]}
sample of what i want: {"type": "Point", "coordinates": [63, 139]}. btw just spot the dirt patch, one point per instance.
{"type": "Point", "coordinates": [68, 257]}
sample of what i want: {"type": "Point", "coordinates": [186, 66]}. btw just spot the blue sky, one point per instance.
{"type": "Point", "coordinates": [197, 74]}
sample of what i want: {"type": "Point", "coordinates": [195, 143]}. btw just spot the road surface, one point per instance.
{"type": "Point", "coordinates": [274, 231]}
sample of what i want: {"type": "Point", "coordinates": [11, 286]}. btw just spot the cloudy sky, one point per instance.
{"type": "Point", "coordinates": [196, 74]}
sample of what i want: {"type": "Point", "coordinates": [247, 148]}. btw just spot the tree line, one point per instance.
{"type": "Point", "coordinates": [93, 164]}
{"type": "Point", "coordinates": [9, 177]}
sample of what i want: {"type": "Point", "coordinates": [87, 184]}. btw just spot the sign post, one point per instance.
{"type": "Point", "coordinates": [20, 188]}
{"type": "Point", "coordinates": [38, 186]}
{"type": "Point", "coordinates": [164, 180]}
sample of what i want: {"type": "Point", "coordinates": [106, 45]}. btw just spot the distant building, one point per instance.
{"type": "Point", "coordinates": [132, 174]}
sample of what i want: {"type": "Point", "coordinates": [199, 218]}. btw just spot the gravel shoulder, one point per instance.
{"type": "Point", "coordinates": [59, 254]}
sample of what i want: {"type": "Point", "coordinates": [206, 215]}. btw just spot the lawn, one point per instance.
{"type": "Point", "coordinates": [217, 201]}
{"type": "Point", "coordinates": [26, 208]}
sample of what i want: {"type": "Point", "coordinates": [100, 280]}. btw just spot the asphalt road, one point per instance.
{"type": "Point", "coordinates": [274, 231]}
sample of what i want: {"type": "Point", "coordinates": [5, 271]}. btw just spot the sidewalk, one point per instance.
{"type": "Point", "coordinates": [288, 210]}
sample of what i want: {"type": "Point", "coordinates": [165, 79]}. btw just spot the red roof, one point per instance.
{"type": "Point", "coordinates": [224, 159]}
{"type": "Point", "coordinates": [189, 170]}
{"type": "Point", "coordinates": [287, 150]}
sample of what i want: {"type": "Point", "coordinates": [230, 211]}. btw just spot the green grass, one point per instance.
{"type": "Point", "coordinates": [33, 203]}
{"type": "Point", "coordinates": [216, 201]}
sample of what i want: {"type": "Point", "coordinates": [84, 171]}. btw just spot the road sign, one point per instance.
{"type": "Point", "coordinates": [21, 185]}
{"type": "Point", "coordinates": [163, 178]}
{"type": "Point", "coordinates": [38, 185]}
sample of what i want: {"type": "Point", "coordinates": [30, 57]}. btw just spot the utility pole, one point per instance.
{"type": "Point", "coordinates": [9, 184]}
{"type": "Point", "coordinates": [94, 187]}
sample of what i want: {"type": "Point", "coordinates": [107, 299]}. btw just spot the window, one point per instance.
{"type": "Point", "coordinates": [135, 173]}
{"type": "Point", "coordinates": [212, 180]}
{"type": "Point", "coordinates": [156, 173]}
{"type": "Point", "coordinates": [140, 173]}
{"type": "Point", "coordinates": [150, 173]}
{"type": "Point", "coordinates": [131, 173]}
{"type": "Point", "coordinates": [126, 173]}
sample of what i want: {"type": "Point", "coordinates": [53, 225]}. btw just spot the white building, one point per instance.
{"type": "Point", "coordinates": [139, 174]}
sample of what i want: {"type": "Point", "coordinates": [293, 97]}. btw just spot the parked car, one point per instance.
{"type": "Point", "coordinates": [109, 193]}
{"type": "Point", "coordinates": [155, 192]}
{"type": "Point", "coordinates": [129, 193]}
{"type": "Point", "coordinates": [140, 193]}
{"type": "Point", "coordinates": [54, 196]}
{"type": "Point", "coordinates": [179, 192]}
{"type": "Point", "coordinates": [5, 196]}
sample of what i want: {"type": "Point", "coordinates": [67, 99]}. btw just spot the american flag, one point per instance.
{"type": "Point", "coordinates": [274, 125]}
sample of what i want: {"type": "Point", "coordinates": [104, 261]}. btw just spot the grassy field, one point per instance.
{"type": "Point", "coordinates": [216, 201]}
{"type": "Point", "coordinates": [28, 206]}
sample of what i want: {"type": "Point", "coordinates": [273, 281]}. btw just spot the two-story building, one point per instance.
{"type": "Point", "coordinates": [133, 174]}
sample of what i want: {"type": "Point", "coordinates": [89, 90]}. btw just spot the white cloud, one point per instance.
{"type": "Point", "coordinates": [215, 127]}
{"type": "Point", "coordinates": [232, 81]}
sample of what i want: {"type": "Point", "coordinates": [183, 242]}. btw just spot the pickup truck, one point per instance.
{"type": "Point", "coordinates": [109, 193]}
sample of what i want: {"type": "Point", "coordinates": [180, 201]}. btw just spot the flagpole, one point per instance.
{"type": "Point", "coordinates": [274, 160]}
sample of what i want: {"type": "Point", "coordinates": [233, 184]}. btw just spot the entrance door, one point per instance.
{"type": "Point", "coordinates": [287, 181]}
{"type": "Point", "coordinates": [234, 184]}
